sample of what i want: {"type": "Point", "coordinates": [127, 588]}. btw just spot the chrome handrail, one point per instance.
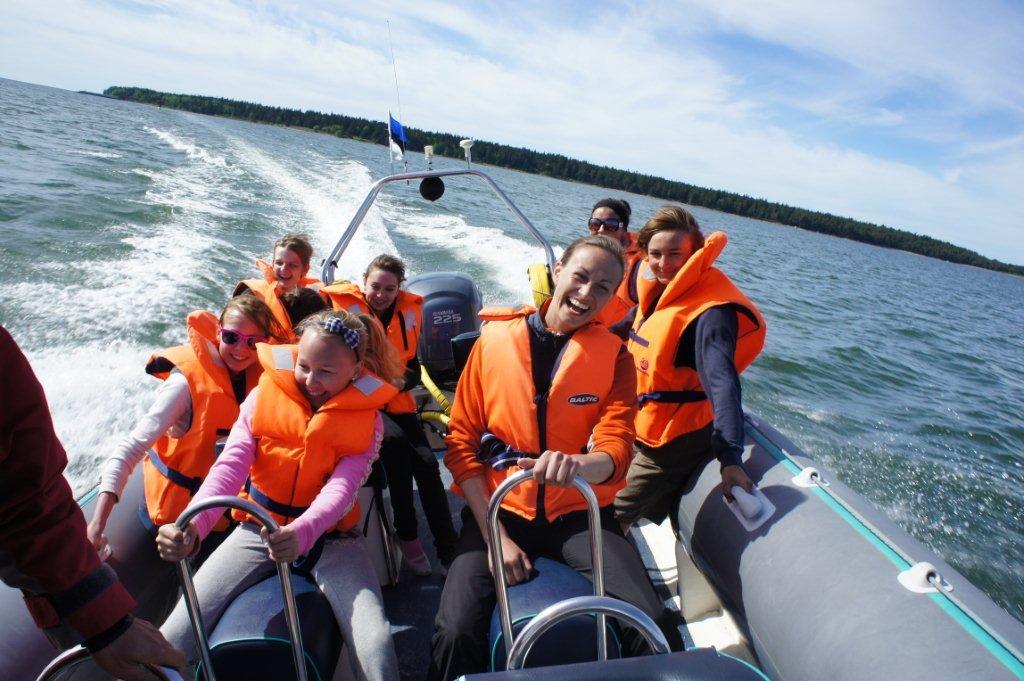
{"type": "Point", "coordinates": [331, 263]}
{"type": "Point", "coordinates": [497, 555]}
{"type": "Point", "coordinates": [72, 657]}
{"type": "Point", "coordinates": [582, 605]}
{"type": "Point", "coordinates": [283, 572]}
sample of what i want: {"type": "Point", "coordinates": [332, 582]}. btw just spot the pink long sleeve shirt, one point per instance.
{"type": "Point", "coordinates": [334, 500]}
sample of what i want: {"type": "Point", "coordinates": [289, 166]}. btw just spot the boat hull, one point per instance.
{"type": "Point", "coordinates": [816, 586]}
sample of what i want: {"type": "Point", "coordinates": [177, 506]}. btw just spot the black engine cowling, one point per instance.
{"type": "Point", "coordinates": [451, 302]}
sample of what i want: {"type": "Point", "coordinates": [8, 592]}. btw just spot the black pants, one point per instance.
{"type": "Point", "coordinates": [459, 645]}
{"type": "Point", "coordinates": [407, 456]}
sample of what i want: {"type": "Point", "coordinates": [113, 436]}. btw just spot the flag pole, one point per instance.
{"type": "Point", "coordinates": [398, 98]}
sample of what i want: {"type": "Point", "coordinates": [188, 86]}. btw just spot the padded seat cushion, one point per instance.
{"type": "Point", "coordinates": [251, 639]}
{"type": "Point", "coordinates": [572, 640]}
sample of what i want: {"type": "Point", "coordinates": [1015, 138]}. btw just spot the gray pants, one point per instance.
{"type": "Point", "coordinates": [343, 573]}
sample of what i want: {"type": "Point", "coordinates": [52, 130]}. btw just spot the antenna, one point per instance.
{"type": "Point", "coordinates": [398, 98]}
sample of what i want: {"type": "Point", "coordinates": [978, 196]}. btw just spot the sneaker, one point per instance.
{"type": "Point", "coordinates": [415, 558]}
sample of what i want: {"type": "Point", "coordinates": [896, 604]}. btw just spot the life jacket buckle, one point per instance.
{"type": "Point", "coordinates": [497, 454]}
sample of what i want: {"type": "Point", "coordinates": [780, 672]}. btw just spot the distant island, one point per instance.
{"type": "Point", "coordinates": [565, 168]}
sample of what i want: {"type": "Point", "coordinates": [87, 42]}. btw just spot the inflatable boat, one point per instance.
{"type": "Point", "coordinates": [801, 580]}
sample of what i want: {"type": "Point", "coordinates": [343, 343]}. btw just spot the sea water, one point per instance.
{"type": "Point", "coordinates": [903, 374]}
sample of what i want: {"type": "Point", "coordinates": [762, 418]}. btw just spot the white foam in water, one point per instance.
{"type": "Point", "coordinates": [505, 257]}
{"type": "Point", "coordinates": [326, 196]}
{"type": "Point", "coordinates": [97, 392]}
{"type": "Point", "coordinates": [94, 154]}
{"type": "Point", "coordinates": [193, 150]}
{"type": "Point", "coordinates": [92, 371]}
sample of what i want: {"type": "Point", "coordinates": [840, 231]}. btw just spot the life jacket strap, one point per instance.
{"type": "Point", "coordinates": [261, 498]}
{"type": "Point", "coordinates": [638, 339]}
{"type": "Point", "coordinates": [146, 521]}
{"type": "Point", "coordinates": [672, 396]}
{"type": "Point", "coordinates": [177, 477]}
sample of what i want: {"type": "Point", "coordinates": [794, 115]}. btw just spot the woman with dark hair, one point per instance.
{"type": "Point", "coordinates": [694, 332]}
{"type": "Point", "coordinates": [557, 388]}
{"type": "Point", "coordinates": [610, 217]}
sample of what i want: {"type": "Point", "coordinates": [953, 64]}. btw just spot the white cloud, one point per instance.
{"type": "Point", "coordinates": [635, 88]}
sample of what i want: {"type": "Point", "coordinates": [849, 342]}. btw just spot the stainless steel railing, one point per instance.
{"type": "Point", "coordinates": [584, 605]}
{"type": "Point", "coordinates": [331, 263]}
{"type": "Point", "coordinates": [72, 657]}
{"type": "Point", "coordinates": [283, 572]}
{"type": "Point", "coordinates": [596, 556]}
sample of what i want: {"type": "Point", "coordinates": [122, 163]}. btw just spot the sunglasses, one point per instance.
{"type": "Point", "coordinates": [611, 224]}
{"type": "Point", "coordinates": [229, 337]}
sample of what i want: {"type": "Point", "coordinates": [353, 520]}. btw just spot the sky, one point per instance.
{"type": "Point", "coordinates": [904, 113]}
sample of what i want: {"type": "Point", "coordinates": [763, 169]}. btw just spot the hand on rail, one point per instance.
{"type": "Point", "coordinates": [283, 544]}
{"type": "Point", "coordinates": [517, 564]}
{"type": "Point", "coordinates": [141, 644]}
{"type": "Point", "coordinates": [172, 544]}
{"type": "Point", "coordinates": [554, 468]}
{"type": "Point", "coordinates": [735, 475]}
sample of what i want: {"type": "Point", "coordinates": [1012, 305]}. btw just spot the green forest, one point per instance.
{"type": "Point", "coordinates": [565, 168]}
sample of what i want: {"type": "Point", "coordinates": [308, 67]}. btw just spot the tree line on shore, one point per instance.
{"type": "Point", "coordinates": [565, 168]}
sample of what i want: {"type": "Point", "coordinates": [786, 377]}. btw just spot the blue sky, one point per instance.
{"type": "Point", "coordinates": [909, 114]}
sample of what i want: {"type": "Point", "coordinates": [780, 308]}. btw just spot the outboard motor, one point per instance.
{"type": "Point", "coordinates": [451, 302]}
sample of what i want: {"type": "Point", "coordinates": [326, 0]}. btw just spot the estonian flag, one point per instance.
{"type": "Point", "coordinates": [396, 138]}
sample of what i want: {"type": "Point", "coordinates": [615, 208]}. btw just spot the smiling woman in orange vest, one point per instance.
{"type": "Point", "coordinates": [551, 391]}
{"type": "Point", "coordinates": [285, 287]}
{"type": "Point", "coordinates": [303, 445]}
{"type": "Point", "coordinates": [693, 334]}
{"type": "Point", "coordinates": [405, 451]}
{"type": "Point", "coordinates": [610, 217]}
{"type": "Point", "coordinates": [204, 382]}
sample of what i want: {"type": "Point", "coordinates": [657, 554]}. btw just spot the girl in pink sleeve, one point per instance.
{"type": "Point", "coordinates": [302, 446]}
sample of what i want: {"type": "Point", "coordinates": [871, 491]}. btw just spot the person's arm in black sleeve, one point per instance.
{"type": "Point", "coordinates": [412, 374]}
{"type": "Point", "coordinates": [621, 328]}
{"type": "Point", "coordinates": [714, 357]}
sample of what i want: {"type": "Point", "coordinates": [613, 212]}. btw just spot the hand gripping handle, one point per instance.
{"type": "Point", "coordinates": [283, 572]}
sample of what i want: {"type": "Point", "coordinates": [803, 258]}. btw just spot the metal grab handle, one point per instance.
{"type": "Point", "coordinates": [72, 657]}
{"type": "Point", "coordinates": [331, 263]}
{"type": "Point", "coordinates": [497, 555]}
{"type": "Point", "coordinates": [583, 605]}
{"type": "Point", "coordinates": [283, 572]}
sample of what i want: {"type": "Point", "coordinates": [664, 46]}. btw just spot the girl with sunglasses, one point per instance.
{"type": "Point", "coordinates": [303, 445]}
{"type": "Point", "coordinates": [405, 452]}
{"type": "Point", "coordinates": [204, 382]}
{"type": "Point", "coordinates": [285, 287]}
{"type": "Point", "coordinates": [610, 217]}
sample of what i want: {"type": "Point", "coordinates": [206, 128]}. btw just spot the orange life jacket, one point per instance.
{"type": "Point", "coordinates": [583, 377]}
{"type": "Point", "coordinates": [626, 295]}
{"type": "Point", "coordinates": [403, 330]}
{"type": "Point", "coordinates": [176, 467]}
{"type": "Point", "coordinates": [671, 399]}
{"type": "Point", "coordinates": [298, 448]}
{"type": "Point", "coordinates": [266, 290]}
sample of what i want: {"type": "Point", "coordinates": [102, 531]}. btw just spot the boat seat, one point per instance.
{"type": "Point", "coordinates": [696, 665]}
{"type": "Point", "coordinates": [572, 640]}
{"type": "Point", "coordinates": [251, 639]}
